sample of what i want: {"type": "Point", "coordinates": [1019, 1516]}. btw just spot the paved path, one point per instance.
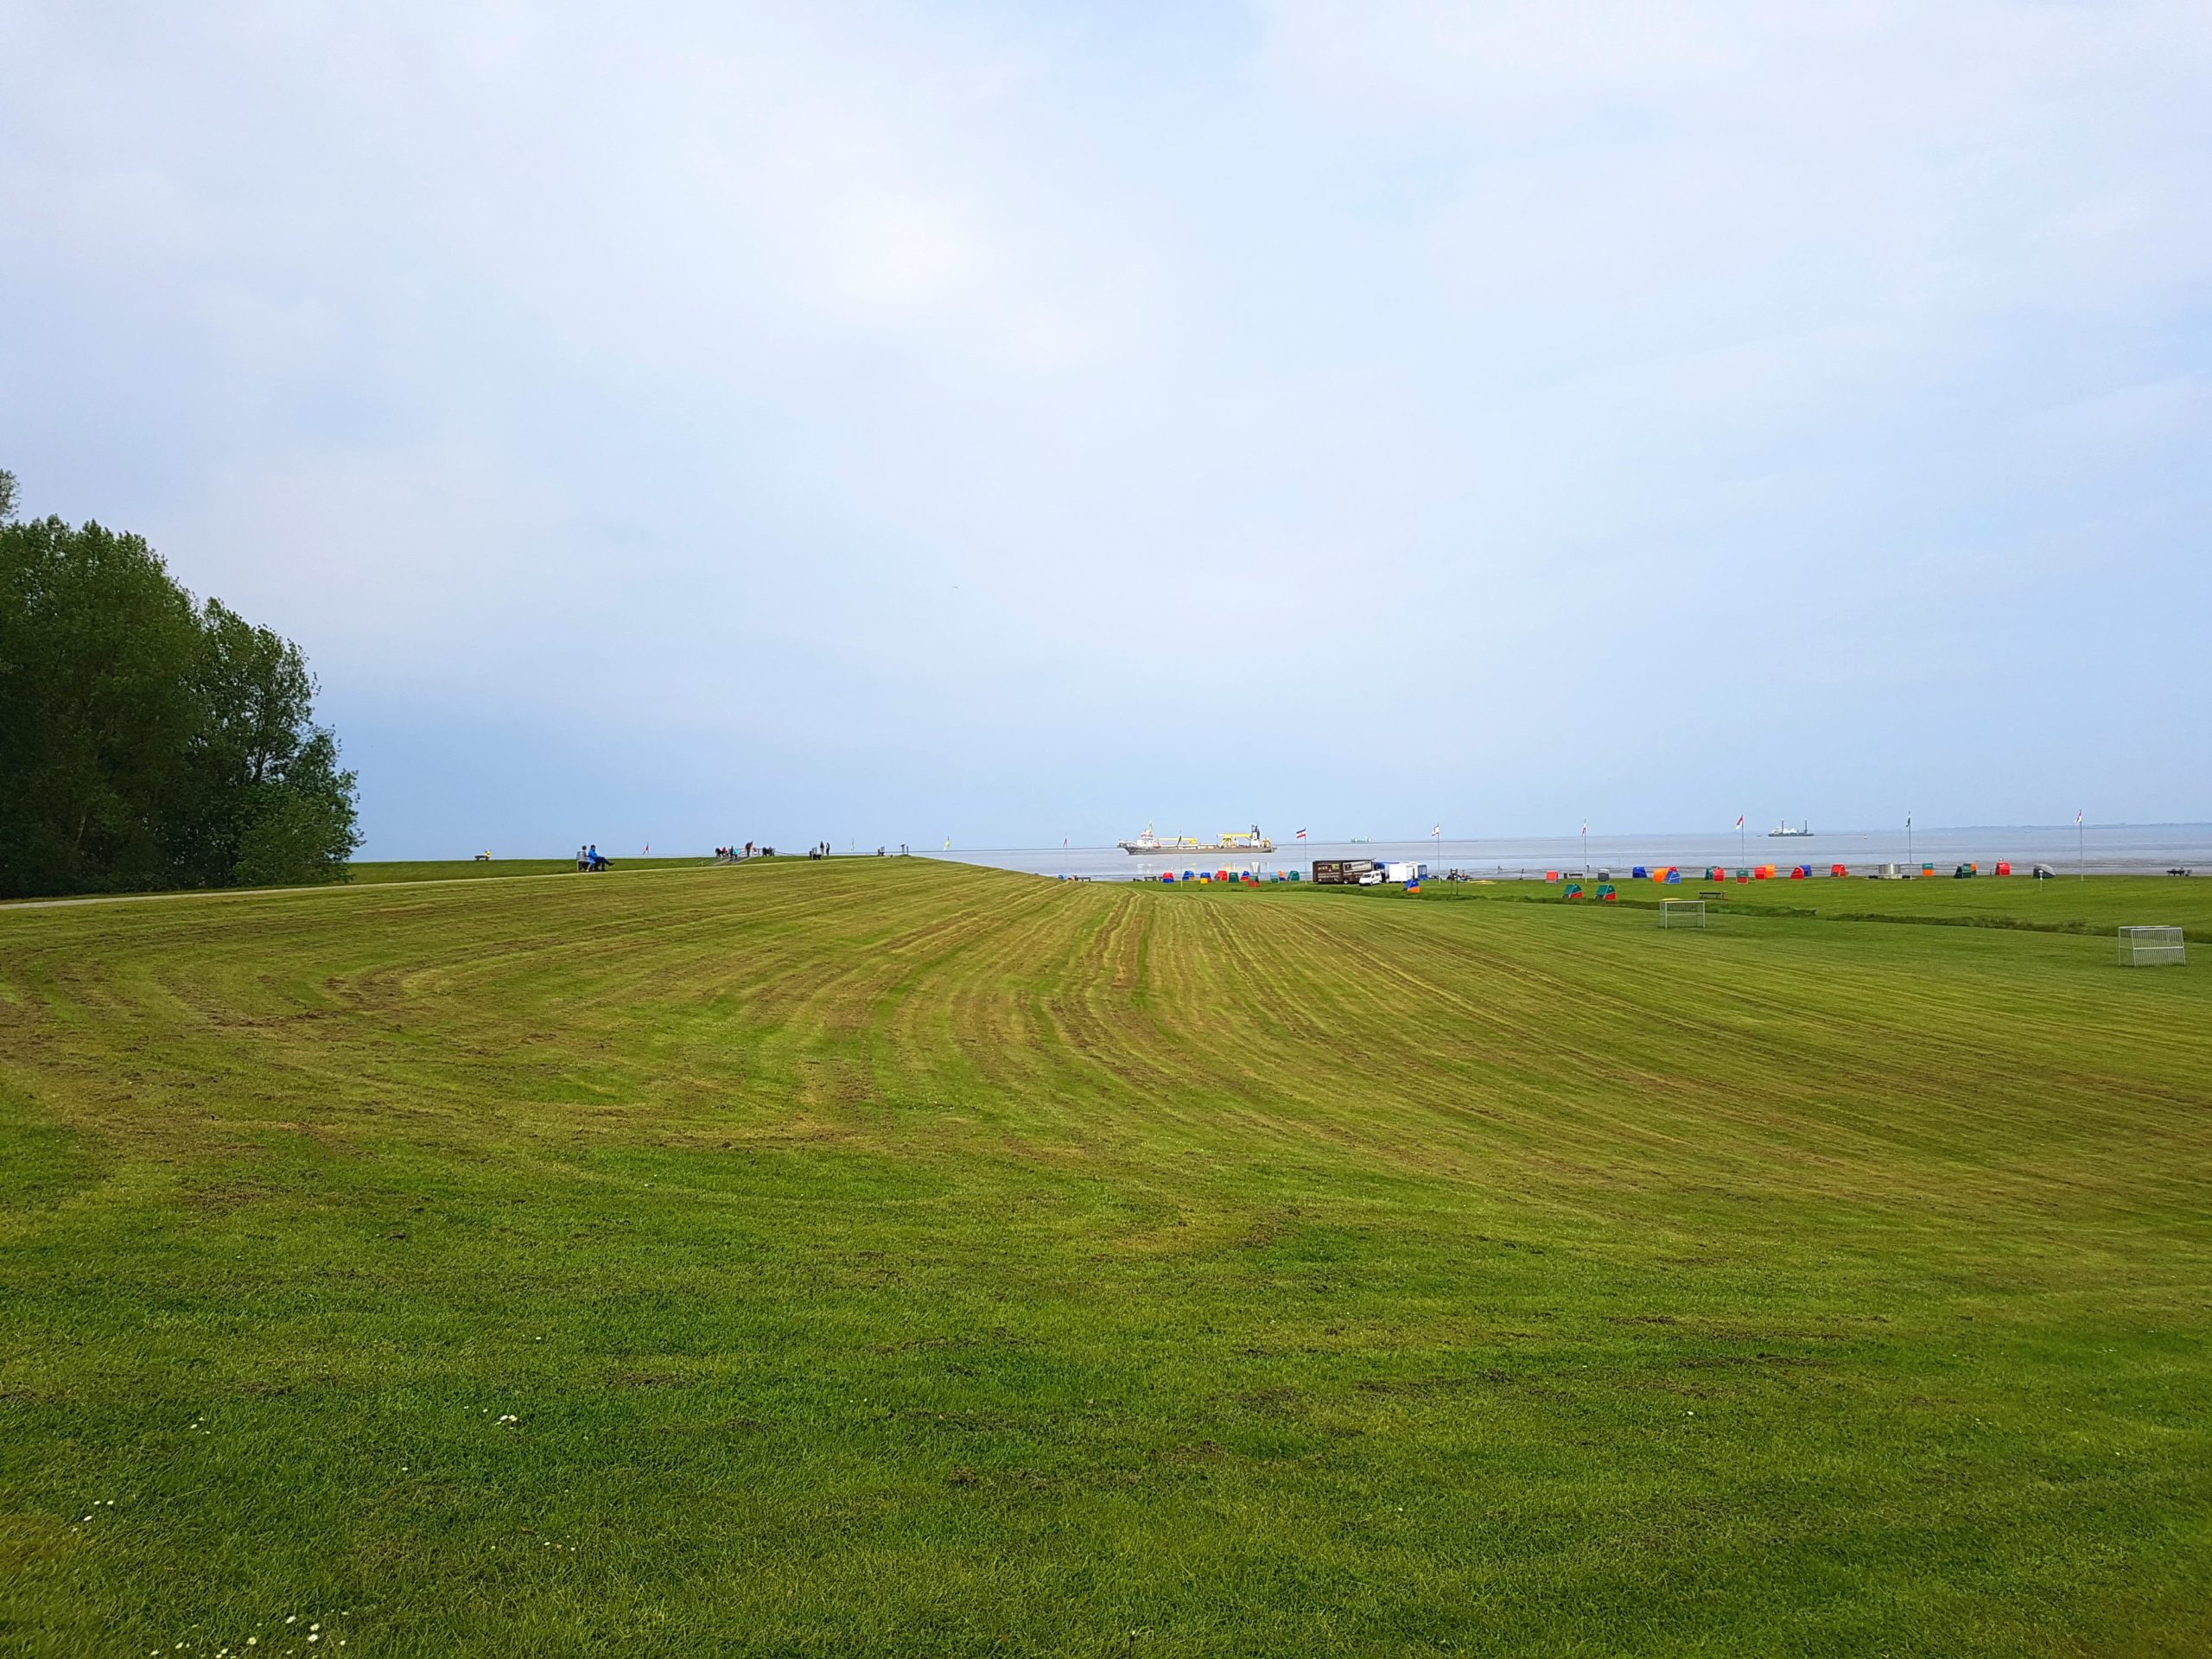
{"type": "Point", "coordinates": [339, 886]}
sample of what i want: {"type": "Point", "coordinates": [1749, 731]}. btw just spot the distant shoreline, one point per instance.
{"type": "Point", "coordinates": [2107, 849]}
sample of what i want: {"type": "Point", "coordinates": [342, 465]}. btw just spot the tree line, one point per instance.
{"type": "Point", "coordinates": [148, 740]}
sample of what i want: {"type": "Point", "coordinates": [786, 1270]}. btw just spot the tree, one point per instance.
{"type": "Point", "coordinates": [97, 652]}
{"type": "Point", "coordinates": [150, 742]}
{"type": "Point", "coordinates": [299, 827]}
{"type": "Point", "coordinates": [269, 805]}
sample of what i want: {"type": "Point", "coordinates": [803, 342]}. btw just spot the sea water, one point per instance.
{"type": "Point", "coordinates": [2097, 849]}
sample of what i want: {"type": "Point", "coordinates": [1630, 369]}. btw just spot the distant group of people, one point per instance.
{"type": "Point", "coordinates": [588, 857]}
{"type": "Point", "coordinates": [736, 854]}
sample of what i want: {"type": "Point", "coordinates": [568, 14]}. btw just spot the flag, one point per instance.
{"type": "Point", "coordinates": [1301, 834]}
{"type": "Point", "coordinates": [1739, 820]}
{"type": "Point", "coordinates": [649, 846]}
{"type": "Point", "coordinates": [1438, 830]}
{"type": "Point", "coordinates": [2078, 817]}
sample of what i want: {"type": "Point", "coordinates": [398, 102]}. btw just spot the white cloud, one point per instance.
{"type": "Point", "coordinates": [916, 376]}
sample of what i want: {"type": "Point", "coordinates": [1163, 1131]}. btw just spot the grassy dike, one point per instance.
{"type": "Point", "coordinates": [385, 872]}
{"type": "Point", "coordinates": [892, 1257]}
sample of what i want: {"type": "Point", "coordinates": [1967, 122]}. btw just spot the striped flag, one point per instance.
{"type": "Point", "coordinates": [1739, 820]}
{"type": "Point", "coordinates": [1301, 834]}
{"type": "Point", "coordinates": [1438, 830]}
{"type": "Point", "coordinates": [2078, 817]}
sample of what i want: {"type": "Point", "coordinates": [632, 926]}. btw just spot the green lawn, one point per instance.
{"type": "Point", "coordinates": [2096, 903]}
{"type": "Point", "coordinates": [896, 1256]}
{"type": "Point", "coordinates": [372, 873]}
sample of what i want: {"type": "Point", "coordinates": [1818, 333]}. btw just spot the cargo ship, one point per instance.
{"type": "Point", "coordinates": [1231, 841]}
{"type": "Point", "coordinates": [1784, 830]}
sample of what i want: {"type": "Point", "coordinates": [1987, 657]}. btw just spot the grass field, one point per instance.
{"type": "Point", "coordinates": [383, 872]}
{"type": "Point", "coordinates": [892, 1256]}
{"type": "Point", "coordinates": [2096, 903]}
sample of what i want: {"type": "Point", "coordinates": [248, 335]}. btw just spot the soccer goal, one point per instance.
{"type": "Point", "coordinates": [1682, 913]}
{"type": "Point", "coordinates": [2151, 947]}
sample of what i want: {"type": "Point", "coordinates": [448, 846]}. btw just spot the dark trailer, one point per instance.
{"type": "Point", "coordinates": [1342, 872]}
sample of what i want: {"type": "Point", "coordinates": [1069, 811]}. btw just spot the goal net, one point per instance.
{"type": "Point", "coordinates": [1682, 913]}
{"type": "Point", "coordinates": [2151, 947]}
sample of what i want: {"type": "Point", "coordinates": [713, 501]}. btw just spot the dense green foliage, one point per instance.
{"type": "Point", "coordinates": [889, 1256]}
{"type": "Point", "coordinates": [150, 742]}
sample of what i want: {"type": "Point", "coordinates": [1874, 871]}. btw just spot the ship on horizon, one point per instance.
{"type": "Point", "coordinates": [1231, 841]}
{"type": "Point", "coordinates": [1806, 829]}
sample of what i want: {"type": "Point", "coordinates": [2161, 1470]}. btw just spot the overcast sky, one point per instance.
{"type": "Point", "coordinates": [687, 425]}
